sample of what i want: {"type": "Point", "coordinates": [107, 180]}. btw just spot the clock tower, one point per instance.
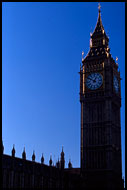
{"type": "Point", "coordinates": [100, 98]}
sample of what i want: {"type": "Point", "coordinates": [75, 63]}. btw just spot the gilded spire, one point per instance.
{"type": "Point", "coordinates": [99, 29]}
{"type": "Point", "coordinates": [99, 16]}
{"type": "Point", "coordinates": [99, 32]}
{"type": "Point", "coordinates": [98, 39]}
{"type": "Point", "coordinates": [99, 7]}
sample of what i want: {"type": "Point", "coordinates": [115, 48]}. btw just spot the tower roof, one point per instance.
{"type": "Point", "coordinates": [99, 28]}
{"type": "Point", "coordinates": [98, 41]}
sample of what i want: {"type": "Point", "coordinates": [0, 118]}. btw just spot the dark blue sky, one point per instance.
{"type": "Point", "coordinates": [41, 55]}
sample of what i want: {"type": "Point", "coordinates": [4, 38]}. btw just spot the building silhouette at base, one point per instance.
{"type": "Point", "coordinates": [101, 163]}
{"type": "Point", "coordinates": [21, 173]}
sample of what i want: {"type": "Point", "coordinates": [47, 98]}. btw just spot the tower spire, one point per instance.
{"type": "Point", "coordinates": [98, 39]}
{"type": "Point", "coordinates": [99, 8]}
{"type": "Point", "coordinates": [99, 16]}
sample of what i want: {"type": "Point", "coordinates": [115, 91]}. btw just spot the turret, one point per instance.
{"type": "Point", "coordinates": [13, 151]}
{"type": "Point", "coordinates": [24, 154]}
{"type": "Point", "coordinates": [69, 164]}
{"type": "Point", "coordinates": [50, 161]}
{"type": "Point", "coordinates": [33, 156]}
{"type": "Point", "coordinates": [42, 159]}
{"type": "Point", "coordinates": [62, 161]}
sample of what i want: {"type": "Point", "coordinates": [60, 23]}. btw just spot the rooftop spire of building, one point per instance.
{"type": "Point", "coordinates": [42, 159]}
{"type": "Point", "coordinates": [62, 160]}
{"type": "Point", "coordinates": [33, 156]}
{"type": "Point", "coordinates": [99, 7]}
{"type": "Point", "coordinates": [99, 29]}
{"type": "Point", "coordinates": [98, 40]}
{"type": "Point", "coordinates": [13, 151]}
{"type": "Point", "coordinates": [50, 161]}
{"type": "Point", "coordinates": [24, 154]}
{"type": "Point", "coordinates": [69, 164]}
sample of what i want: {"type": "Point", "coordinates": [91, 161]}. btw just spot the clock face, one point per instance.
{"type": "Point", "coordinates": [116, 84]}
{"type": "Point", "coordinates": [94, 81]}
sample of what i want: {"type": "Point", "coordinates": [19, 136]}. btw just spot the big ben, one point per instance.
{"type": "Point", "coordinates": [100, 98]}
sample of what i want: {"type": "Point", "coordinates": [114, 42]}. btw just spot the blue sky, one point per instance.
{"type": "Point", "coordinates": [41, 55]}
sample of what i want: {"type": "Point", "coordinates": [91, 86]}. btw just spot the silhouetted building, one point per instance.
{"type": "Point", "coordinates": [100, 98]}
{"type": "Point", "coordinates": [21, 173]}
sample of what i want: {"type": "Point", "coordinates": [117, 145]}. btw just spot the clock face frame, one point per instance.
{"type": "Point", "coordinates": [116, 84]}
{"type": "Point", "coordinates": [94, 81]}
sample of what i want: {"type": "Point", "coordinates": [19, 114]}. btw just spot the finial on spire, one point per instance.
{"type": "Point", "coordinates": [82, 55]}
{"type": "Point", "coordinates": [99, 7]}
{"type": "Point", "coordinates": [116, 60]}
